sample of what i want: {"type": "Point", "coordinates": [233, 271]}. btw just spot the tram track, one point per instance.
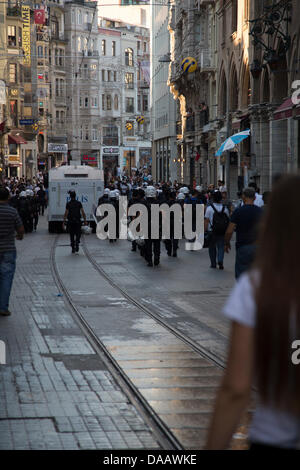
{"type": "Point", "coordinates": [203, 352]}
{"type": "Point", "coordinates": [163, 434]}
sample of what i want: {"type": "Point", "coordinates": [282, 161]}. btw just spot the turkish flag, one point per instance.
{"type": "Point", "coordinates": [197, 156]}
{"type": "Point", "coordinates": [39, 16]}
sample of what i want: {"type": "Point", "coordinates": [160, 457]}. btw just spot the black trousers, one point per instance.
{"type": "Point", "coordinates": [75, 233]}
{"type": "Point", "coordinates": [171, 244]}
{"type": "Point", "coordinates": [152, 245]}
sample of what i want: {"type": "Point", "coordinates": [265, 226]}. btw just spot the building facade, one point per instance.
{"type": "Point", "coordinates": [82, 95]}
{"type": "Point", "coordinates": [124, 52]}
{"type": "Point", "coordinates": [244, 79]}
{"type": "Point", "coordinates": [163, 104]}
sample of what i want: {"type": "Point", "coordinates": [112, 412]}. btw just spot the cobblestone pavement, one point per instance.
{"type": "Point", "coordinates": [55, 393]}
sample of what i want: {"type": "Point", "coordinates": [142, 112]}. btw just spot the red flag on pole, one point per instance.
{"type": "Point", "coordinates": [39, 16]}
{"type": "Point", "coordinates": [197, 156]}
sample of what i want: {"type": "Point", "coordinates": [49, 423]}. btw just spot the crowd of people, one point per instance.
{"type": "Point", "coordinates": [29, 197]}
{"type": "Point", "coordinates": [222, 216]}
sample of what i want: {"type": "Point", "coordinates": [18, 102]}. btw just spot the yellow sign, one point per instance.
{"type": "Point", "coordinates": [13, 159]}
{"type": "Point", "coordinates": [26, 35]}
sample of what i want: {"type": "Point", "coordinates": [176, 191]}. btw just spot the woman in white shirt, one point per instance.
{"type": "Point", "coordinates": [264, 308]}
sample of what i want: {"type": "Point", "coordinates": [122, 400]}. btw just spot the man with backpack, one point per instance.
{"type": "Point", "coordinates": [216, 222]}
{"type": "Point", "coordinates": [73, 213]}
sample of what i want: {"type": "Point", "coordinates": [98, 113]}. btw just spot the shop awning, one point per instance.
{"type": "Point", "coordinates": [16, 139]}
{"type": "Point", "coordinates": [285, 110]}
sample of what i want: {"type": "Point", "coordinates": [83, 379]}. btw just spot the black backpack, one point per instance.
{"type": "Point", "coordinates": [220, 221]}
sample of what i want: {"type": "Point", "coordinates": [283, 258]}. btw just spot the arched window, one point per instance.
{"type": "Point", "coordinates": [116, 102]}
{"type": "Point", "coordinates": [129, 57]}
{"type": "Point", "coordinates": [234, 15]}
{"type": "Point", "coordinates": [266, 88]}
{"type": "Point", "coordinates": [234, 92]}
{"type": "Point", "coordinates": [223, 96]}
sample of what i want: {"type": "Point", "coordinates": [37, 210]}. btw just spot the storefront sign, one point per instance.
{"type": "Point", "coordinates": [58, 148]}
{"type": "Point", "coordinates": [26, 35]}
{"type": "Point", "coordinates": [110, 150]}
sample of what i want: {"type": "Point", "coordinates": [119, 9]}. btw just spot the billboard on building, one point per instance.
{"type": "Point", "coordinates": [26, 35]}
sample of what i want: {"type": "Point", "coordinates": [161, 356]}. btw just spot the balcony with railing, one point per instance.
{"type": "Point", "coordinates": [14, 10]}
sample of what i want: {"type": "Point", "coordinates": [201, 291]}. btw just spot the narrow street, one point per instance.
{"type": "Point", "coordinates": [59, 392]}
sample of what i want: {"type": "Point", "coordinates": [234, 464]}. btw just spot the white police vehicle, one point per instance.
{"type": "Point", "coordinates": [86, 181]}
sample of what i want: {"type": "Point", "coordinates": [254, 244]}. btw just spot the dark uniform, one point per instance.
{"type": "Point", "coordinates": [172, 243]}
{"type": "Point", "coordinates": [152, 246]}
{"type": "Point", "coordinates": [74, 223]}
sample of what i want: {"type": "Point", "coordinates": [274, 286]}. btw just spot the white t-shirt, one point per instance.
{"type": "Point", "coordinates": [268, 426]}
{"type": "Point", "coordinates": [259, 202]}
{"type": "Point", "coordinates": [209, 213]}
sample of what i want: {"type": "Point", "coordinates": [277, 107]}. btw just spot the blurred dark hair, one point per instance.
{"type": "Point", "coordinates": [249, 193]}
{"type": "Point", "coordinates": [217, 196]}
{"type": "Point", "coordinates": [4, 194]}
{"type": "Point", "coordinates": [278, 298]}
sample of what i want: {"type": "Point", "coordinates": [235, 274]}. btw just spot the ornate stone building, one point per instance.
{"type": "Point", "coordinates": [248, 62]}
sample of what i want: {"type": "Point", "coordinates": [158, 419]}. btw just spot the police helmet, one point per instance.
{"type": "Point", "coordinates": [150, 191]}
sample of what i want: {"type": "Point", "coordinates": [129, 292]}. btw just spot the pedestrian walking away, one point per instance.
{"type": "Point", "coordinates": [264, 308]}
{"type": "Point", "coordinates": [10, 222]}
{"type": "Point", "coordinates": [216, 221]}
{"type": "Point", "coordinates": [245, 221]}
{"type": "Point", "coordinates": [74, 212]}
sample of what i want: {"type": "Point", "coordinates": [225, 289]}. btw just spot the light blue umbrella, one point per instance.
{"type": "Point", "coordinates": [232, 141]}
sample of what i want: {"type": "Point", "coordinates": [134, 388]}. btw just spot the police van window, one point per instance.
{"type": "Point", "coordinates": [77, 175]}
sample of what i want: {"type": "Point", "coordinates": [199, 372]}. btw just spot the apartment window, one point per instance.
{"type": "Point", "coordinates": [79, 17]}
{"type": "Point", "coordinates": [113, 48]}
{"type": "Point", "coordinates": [95, 102]}
{"type": "Point", "coordinates": [103, 102]}
{"type": "Point", "coordinates": [85, 71]}
{"type": "Point", "coordinates": [129, 105]}
{"type": "Point", "coordinates": [145, 47]}
{"type": "Point", "coordinates": [109, 76]}
{"type": "Point", "coordinates": [86, 101]}
{"type": "Point", "coordinates": [14, 112]}
{"type": "Point", "coordinates": [56, 56]}
{"type": "Point", "coordinates": [145, 103]}
{"type": "Point", "coordinates": [86, 132]}
{"type": "Point", "coordinates": [234, 15]}
{"type": "Point", "coordinates": [13, 73]}
{"type": "Point", "coordinates": [61, 57]}
{"type": "Point", "coordinates": [94, 134]}
{"type": "Point", "coordinates": [108, 102]}
{"type": "Point", "coordinates": [62, 87]}
{"type": "Point", "coordinates": [40, 51]}
{"type": "Point", "coordinates": [73, 16]}
{"type": "Point", "coordinates": [103, 47]}
{"type": "Point", "coordinates": [57, 115]}
{"type": "Point", "coordinates": [81, 133]}
{"type": "Point", "coordinates": [11, 36]}
{"type": "Point", "coordinates": [138, 45]}
{"type": "Point", "coordinates": [116, 102]}
{"type": "Point", "coordinates": [103, 75]}
{"type": "Point", "coordinates": [93, 71]}
{"type": "Point", "coordinates": [54, 27]}
{"type": "Point", "coordinates": [129, 79]}
{"type": "Point", "coordinates": [62, 116]}
{"type": "Point", "coordinates": [139, 103]}
{"type": "Point", "coordinates": [115, 76]}
{"type": "Point", "coordinates": [80, 101]}
{"type": "Point", "coordinates": [129, 57]}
